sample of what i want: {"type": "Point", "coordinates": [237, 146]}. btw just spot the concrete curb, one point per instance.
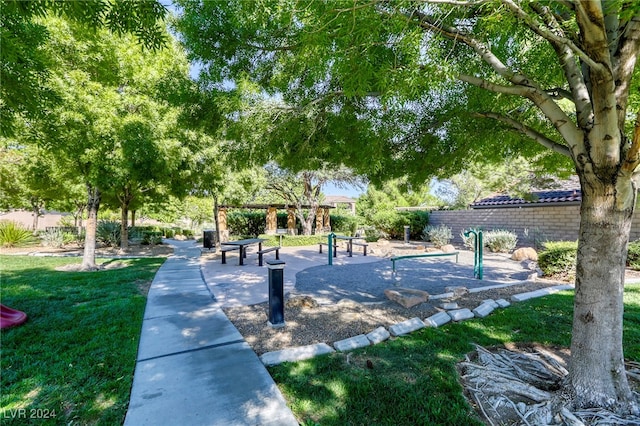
{"type": "Point", "coordinates": [380, 334]}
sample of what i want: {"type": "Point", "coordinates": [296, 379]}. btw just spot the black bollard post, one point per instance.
{"type": "Point", "coordinates": [407, 234]}
{"type": "Point", "coordinates": [276, 293]}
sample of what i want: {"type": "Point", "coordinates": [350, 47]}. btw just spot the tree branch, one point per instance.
{"type": "Point", "coordinates": [627, 56]}
{"type": "Point", "coordinates": [580, 93]}
{"type": "Point", "coordinates": [528, 131]}
{"type": "Point", "coordinates": [550, 36]}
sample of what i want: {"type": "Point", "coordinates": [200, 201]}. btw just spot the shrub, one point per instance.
{"type": "Point", "coordinates": [246, 223]}
{"type": "Point", "coordinates": [108, 233]}
{"type": "Point", "coordinates": [293, 240]}
{"type": "Point", "coordinates": [499, 240]}
{"type": "Point", "coordinates": [371, 234]}
{"type": "Point", "coordinates": [343, 224]}
{"type": "Point", "coordinates": [52, 237]}
{"type": "Point", "coordinates": [417, 220]}
{"type": "Point", "coordinates": [439, 235]}
{"type": "Point", "coordinates": [470, 241]}
{"type": "Point", "coordinates": [633, 255]}
{"type": "Point", "coordinates": [559, 258]}
{"type": "Point", "coordinates": [151, 238]}
{"type": "Point", "coordinates": [13, 234]}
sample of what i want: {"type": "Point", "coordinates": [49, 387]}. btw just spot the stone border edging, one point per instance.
{"type": "Point", "coordinates": [381, 334]}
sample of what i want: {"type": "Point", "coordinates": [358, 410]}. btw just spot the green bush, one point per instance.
{"type": "Point", "coordinates": [13, 234]}
{"type": "Point", "coordinates": [108, 233]}
{"type": "Point", "coordinates": [439, 235]}
{"type": "Point", "coordinates": [633, 255]}
{"type": "Point", "coordinates": [559, 258]}
{"type": "Point", "coordinates": [293, 240]}
{"type": "Point", "coordinates": [417, 220]}
{"type": "Point", "coordinates": [391, 223]}
{"type": "Point", "coordinates": [247, 223]}
{"type": "Point", "coordinates": [500, 240]}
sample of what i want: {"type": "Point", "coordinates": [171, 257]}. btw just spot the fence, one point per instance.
{"type": "Point", "coordinates": [533, 225]}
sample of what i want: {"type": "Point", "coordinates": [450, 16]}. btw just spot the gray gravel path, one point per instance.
{"type": "Point", "coordinates": [367, 282]}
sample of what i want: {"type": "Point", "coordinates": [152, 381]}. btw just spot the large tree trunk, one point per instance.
{"type": "Point", "coordinates": [35, 210]}
{"type": "Point", "coordinates": [124, 225]}
{"type": "Point", "coordinates": [597, 374]}
{"type": "Point", "coordinates": [93, 205]}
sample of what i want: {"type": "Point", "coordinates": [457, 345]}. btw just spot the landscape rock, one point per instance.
{"type": "Point", "coordinates": [406, 297]}
{"type": "Point", "coordinates": [524, 253]}
{"type": "Point", "coordinates": [449, 305]}
{"type": "Point", "coordinates": [437, 320]}
{"type": "Point", "coordinates": [406, 327]}
{"type": "Point", "coordinates": [359, 341]}
{"type": "Point", "coordinates": [456, 290]}
{"type": "Point", "coordinates": [460, 314]}
{"type": "Point", "coordinates": [484, 309]}
{"type": "Point", "coordinates": [301, 302]}
{"type": "Point", "coordinates": [295, 354]}
{"type": "Point", "coordinates": [378, 335]}
{"type": "Point", "coordinates": [448, 248]}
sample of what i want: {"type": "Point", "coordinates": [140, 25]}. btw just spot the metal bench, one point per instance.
{"type": "Point", "coordinates": [335, 247]}
{"type": "Point", "coordinates": [410, 256]}
{"type": "Point", "coordinates": [224, 251]}
{"type": "Point", "coordinates": [363, 245]}
{"type": "Point", "coordinates": [267, 250]}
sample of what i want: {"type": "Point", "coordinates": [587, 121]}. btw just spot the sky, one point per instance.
{"type": "Point", "coordinates": [351, 191]}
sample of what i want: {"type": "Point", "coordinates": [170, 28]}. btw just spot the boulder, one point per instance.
{"type": "Point", "coordinates": [301, 302]}
{"type": "Point", "coordinates": [406, 297]}
{"type": "Point", "coordinates": [525, 253]}
{"type": "Point", "coordinates": [448, 248]}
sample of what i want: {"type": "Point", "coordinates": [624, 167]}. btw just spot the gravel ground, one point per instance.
{"type": "Point", "coordinates": [331, 303]}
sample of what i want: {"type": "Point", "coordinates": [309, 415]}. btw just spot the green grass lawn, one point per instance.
{"type": "Point", "coordinates": [413, 379]}
{"type": "Point", "coordinates": [74, 358]}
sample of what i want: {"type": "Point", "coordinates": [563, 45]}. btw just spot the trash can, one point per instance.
{"type": "Point", "coordinates": [208, 239]}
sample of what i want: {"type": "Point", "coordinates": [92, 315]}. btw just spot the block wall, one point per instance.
{"type": "Point", "coordinates": [533, 225]}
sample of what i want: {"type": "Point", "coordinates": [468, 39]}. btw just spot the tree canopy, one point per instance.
{"type": "Point", "coordinates": [428, 88]}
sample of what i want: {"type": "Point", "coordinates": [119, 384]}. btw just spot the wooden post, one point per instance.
{"type": "Point", "coordinates": [291, 221]}
{"type": "Point", "coordinates": [272, 221]}
{"type": "Point", "coordinates": [326, 222]}
{"type": "Point", "coordinates": [319, 220]}
{"type": "Point", "coordinates": [222, 223]}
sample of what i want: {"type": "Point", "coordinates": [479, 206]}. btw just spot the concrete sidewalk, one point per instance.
{"type": "Point", "coordinates": [193, 366]}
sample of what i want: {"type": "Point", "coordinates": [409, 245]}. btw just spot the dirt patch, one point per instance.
{"type": "Point", "coordinates": [77, 267]}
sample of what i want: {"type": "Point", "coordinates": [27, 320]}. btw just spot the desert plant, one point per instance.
{"type": "Point", "coordinates": [439, 235]}
{"type": "Point", "coordinates": [559, 258]}
{"type": "Point", "coordinates": [500, 240]}
{"type": "Point", "coordinates": [52, 237]}
{"type": "Point", "coordinates": [108, 233]}
{"type": "Point", "coordinates": [13, 234]}
{"type": "Point", "coordinates": [470, 241]}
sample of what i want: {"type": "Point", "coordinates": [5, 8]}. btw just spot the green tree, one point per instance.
{"type": "Point", "coordinates": [109, 127]}
{"type": "Point", "coordinates": [428, 87]}
{"type": "Point", "coordinates": [25, 65]}
{"type": "Point", "coordinates": [303, 190]}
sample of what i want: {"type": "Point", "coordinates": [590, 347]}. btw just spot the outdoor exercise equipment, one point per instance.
{"type": "Point", "coordinates": [477, 251]}
{"type": "Point", "coordinates": [11, 317]}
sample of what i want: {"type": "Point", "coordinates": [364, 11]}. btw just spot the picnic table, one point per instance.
{"type": "Point", "coordinates": [242, 245]}
{"type": "Point", "coordinates": [350, 243]}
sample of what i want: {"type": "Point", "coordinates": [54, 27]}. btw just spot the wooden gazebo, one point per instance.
{"type": "Point", "coordinates": [271, 223]}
